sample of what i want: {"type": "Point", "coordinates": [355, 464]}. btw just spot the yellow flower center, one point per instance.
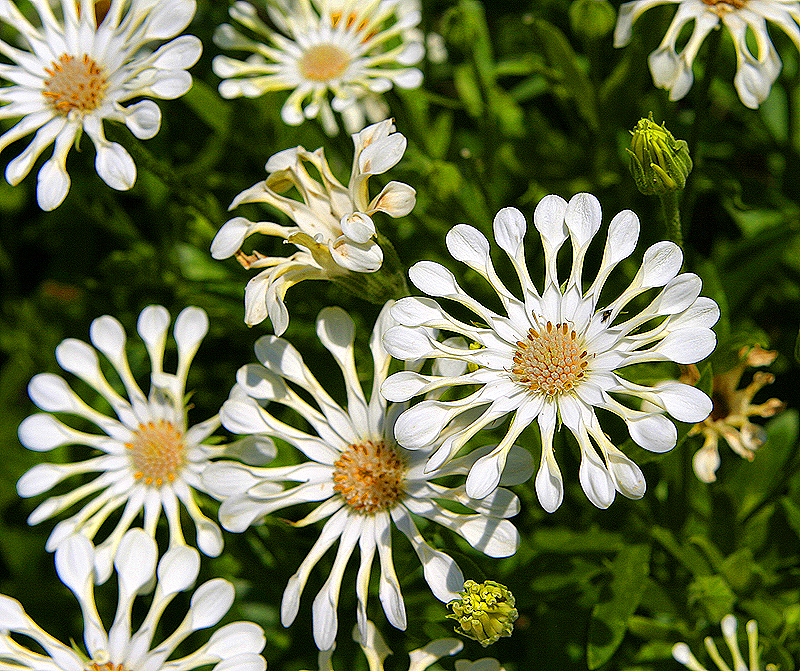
{"type": "Point", "coordinates": [156, 452]}
{"type": "Point", "coordinates": [74, 84]}
{"type": "Point", "coordinates": [323, 62]}
{"type": "Point", "coordinates": [725, 5]}
{"type": "Point", "coordinates": [370, 476]}
{"type": "Point", "coordinates": [550, 361]}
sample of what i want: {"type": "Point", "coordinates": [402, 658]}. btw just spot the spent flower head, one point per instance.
{"type": "Point", "coordinates": [555, 355]}
{"type": "Point", "coordinates": [733, 408]}
{"type": "Point", "coordinates": [755, 73]}
{"type": "Point", "coordinates": [234, 646]}
{"type": "Point", "coordinates": [333, 55]}
{"type": "Point", "coordinates": [362, 482]}
{"type": "Point", "coordinates": [659, 163]}
{"type": "Point", "coordinates": [332, 226]}
{"type": "Point", "coordinates": [72, 70]}
{"type": "Point", "coordinates": [146, 456]}
{"type": "Point", "coordinates": [484, 612]}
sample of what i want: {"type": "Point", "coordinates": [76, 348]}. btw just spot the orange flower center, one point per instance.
{"type": "Point", "coordinates": [323, 62]}
{"type": "Point", "coordinates": [370, 476]}
{"type": "Point", "coordinates": [550, 361]}
{"type": "Point", "coordinates": [74, 84]}
{"type": "Point", "coordinates": [726, 5]}
{"type": "Point", "coordinates": [156, 452]}
{"type": "Point", "coordinates": [108, 666]}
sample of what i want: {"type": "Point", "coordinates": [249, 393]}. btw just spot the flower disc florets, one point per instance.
{"type": "Point", "coordinates": [551, 360]}
{"type": "Point", "coordinates": [369, 475]}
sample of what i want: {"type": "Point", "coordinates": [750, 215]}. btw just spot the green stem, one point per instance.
{"type": "Point", "coordinates": [670, 202]}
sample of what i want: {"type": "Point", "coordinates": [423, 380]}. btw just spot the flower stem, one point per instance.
{"type": "Point", "coordinates": [672, 216]}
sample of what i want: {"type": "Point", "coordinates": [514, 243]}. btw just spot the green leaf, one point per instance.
{"type": "Point", "coordinates": [209, 106]}
{"type": "Point", "coordinates": [609, 621]}
{"type": "Point", "coordinates": [575, 83]}
{"type": "Point", "coordinates": [688, 555]}
{"type": "Point", "coordinates": [713, 594]}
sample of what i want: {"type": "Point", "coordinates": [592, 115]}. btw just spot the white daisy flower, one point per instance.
{"type": "Point", "coordinates": [376, 651]}
{"type": "Point", "coordinates": [755, 74]}
{"type": "Point", "coordinates": [150, 460]}
{"type": "Point", "coordinates": [554, 356]}
{"type": "Point", "coordinates": [233, 646]}
{"type": "Point", "coordinates": [354, 49]}
{"type": "Point", "coordinates": [333, 228]}
{"type": "Point", "coordinates": [69, 74]}
{"type": "Point", "coordinates": [364, 482]}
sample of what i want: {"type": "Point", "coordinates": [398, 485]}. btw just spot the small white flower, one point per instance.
{"type": "Point", "coordinates": [74, 71]}
{"type": "Point", "coordinates": [376, 651]}
{"type": "Point", "coordinates": [333, 228]}
{"type": "Point", "coordinates": [233, 646]}
{"type": "Point", "coordinates": [354, 49]}
{"type": "Point", "coordinates": [755, 74]}
{"type": "Point", "coordinates": [364, 482]}
{"type": "Point", "coordinates": [150, 460]}
{"type": "Point", "coordinates": [554, 355]}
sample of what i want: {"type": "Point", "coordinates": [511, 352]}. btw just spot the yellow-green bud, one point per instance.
{"type": "Point", "coordinates": [485, 611]}
{"type": "Point", "coordinates": [592, 19]}
{"type": "Point", "coordinates": [659, 162]}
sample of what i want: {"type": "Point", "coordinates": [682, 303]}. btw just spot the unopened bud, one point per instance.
{"type": "Point", "coordinates": [659, 162]}
{"type": "Point", "coordinates": [485, 611]}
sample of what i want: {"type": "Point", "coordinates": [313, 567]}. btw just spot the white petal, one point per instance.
{"type": "Point", "coordinates": [509, 228]}
{"type": "Point", "coordinates": [143, 119]}
{"type": "Point", "coordinates": [210, 602]}
{"type": "Point", "coordinates": [115, 166]}
{"type": "Point", "coordinates": [653, 432]}
{"type": "Point", "coordinates": [433, 279]}
{"type": "Point", "coordinates": [660, 264]}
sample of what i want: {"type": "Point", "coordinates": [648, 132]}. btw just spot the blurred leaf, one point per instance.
{"type": "Point", "coordinates": [567, 541]}
{"type": "Point", "coordinates": [610, 617]}
{"type": "Point", "coordinates": [574, 82]}
{"type": "Point", "coordinates": [209, 106]}
{"type": "Point", "coordinates": [713, 594]}
{"type": "Point", "coordinates": [687, 555]}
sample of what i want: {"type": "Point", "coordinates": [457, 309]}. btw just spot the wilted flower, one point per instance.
{"type": "Point", "coordinates": [683, 654]}
{"type": "Point", "coordinates": [754, 74]}
{"type": "Point", "coordinates": [150, 460]}
{"type": "Point", "coordinates": [362, 480]}
{"type": "Point", "coordinates": [234, 646]}
{"type": "Point", "coordinates": [733, 408]}
{"type": "Point", "coordinates": [484, 612]}
{"type": "Point", "coordinates": [554, 355]}
{"type": "Point", "coordinates": [76, 69]}
{"type": "Point", "coordinates": [333, 228]}
{"type": "Point", "coordinates": [354, 49]}
{"type": "Point", "coordinates": [659, 162]}
{"type": "Point", "coordinates": [376, 651]}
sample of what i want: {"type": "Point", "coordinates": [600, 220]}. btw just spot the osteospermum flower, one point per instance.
{"type": "Point", "coordinates": [233, 646]}
{"type": "Point", "coordinates": [149, 458]}
{"type": "Point", "coordinates": [376, 651]}
{"type": "Point", "coordinates": [333, 228]}
{"type": "Point", "coordinates": [733, 408]}
{"type": "Point", "coordinates": [363, 481]}
{"type": "Point", "coordinates": [74, 69]}
{"type": "Point", "coordinates": [555, 355]}
{"type": "Point", "coordinates": [683, 654]}
{"type": "Point", "coordinates": [755, 74]}
{"type": "Point", "coordinates": [353, 49]}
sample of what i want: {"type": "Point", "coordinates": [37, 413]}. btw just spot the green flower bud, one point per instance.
{"type": "Point", "coordinates": [485, 611]}
{"type": "Point", "coordinates": [659, 162]}
{"type": "Point", "coordinates": [592, 19]}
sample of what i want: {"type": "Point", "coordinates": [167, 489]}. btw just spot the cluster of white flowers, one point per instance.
{"type": "Point", "coordinates": [555, 353]}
